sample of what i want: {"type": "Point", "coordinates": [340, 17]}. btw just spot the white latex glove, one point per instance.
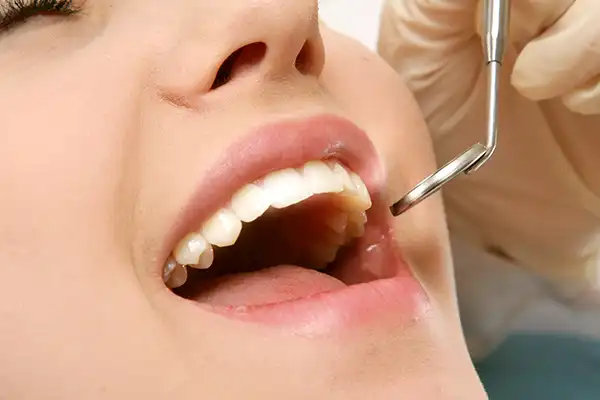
{"type": "Point", "coordinates": [537, 202]}
{"type": "Point", "coordinates": [560, 52]}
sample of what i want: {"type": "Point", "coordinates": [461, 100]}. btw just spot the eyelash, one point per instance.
{"type": "Point", "coordinates": [17, 12]}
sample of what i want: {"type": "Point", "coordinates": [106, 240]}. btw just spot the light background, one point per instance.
{"type": "Point", "coordinates": [356, 18]}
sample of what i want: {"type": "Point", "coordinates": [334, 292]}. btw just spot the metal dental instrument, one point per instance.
{"type": "Point", "coordinates": [496, 14]}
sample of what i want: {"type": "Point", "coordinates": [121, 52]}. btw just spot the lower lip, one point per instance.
{"type": "Point", "coordinates": [398, 301]}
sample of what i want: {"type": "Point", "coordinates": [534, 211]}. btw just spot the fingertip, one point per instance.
{"type": "Point", "coordinates": [551, 65]}
{"type": "Point", "coordinates": [560, 59]}
{"type": "Point", "coordinates": [528, 80]}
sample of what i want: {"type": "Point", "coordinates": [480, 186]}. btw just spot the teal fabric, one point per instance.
{"type": "Point", "coordinates": [545, 367]}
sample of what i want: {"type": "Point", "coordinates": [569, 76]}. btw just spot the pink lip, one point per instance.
{"type": "Point", "coordinates": [398, 298]}
{"type": "Point", "coordinates": [392, 302]}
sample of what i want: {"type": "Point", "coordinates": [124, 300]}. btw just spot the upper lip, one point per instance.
{"type": "Point", "coordinates": [275, 146]}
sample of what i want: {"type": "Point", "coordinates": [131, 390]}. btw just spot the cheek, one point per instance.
{"type": "Point", "coordinates": [65, 136]}
{"type": "Point", "coordinates": [374, 96]}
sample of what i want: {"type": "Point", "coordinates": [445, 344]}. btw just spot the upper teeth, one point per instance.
{"type": "Point", "coordinates": [278, 189]}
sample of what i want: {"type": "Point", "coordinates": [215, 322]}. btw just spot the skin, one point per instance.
{"type": "Point", "coordinates": [108, 122]}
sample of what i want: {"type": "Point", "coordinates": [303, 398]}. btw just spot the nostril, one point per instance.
{"type": "Point", "coordinates": [307, 58]}
{"type": "Point", "coordinates": [238, 62]}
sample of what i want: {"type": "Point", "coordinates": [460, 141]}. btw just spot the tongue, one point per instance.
{"type": "Point", "coordinates": [267, 286]}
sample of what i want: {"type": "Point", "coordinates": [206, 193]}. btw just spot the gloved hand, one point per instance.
{"type": "Point", "coordinates": [536, 203]}
{"type": "Point", "coordinates": [560, 52]}
{"type": "Point", "coordinates": [558, 42]}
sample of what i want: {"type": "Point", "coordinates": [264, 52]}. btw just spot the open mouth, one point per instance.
{"type": "Point", "coordinates": [307, 243]}
{"type": "Point", "coordinates": [289, 235]}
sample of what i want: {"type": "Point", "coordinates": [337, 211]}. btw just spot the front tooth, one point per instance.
{"type": "Point", "coordinates": [190, 249]}
{"type": "Point", "coordinates": [250, 202]}
{"type": "Point", "coordinates": [320, 178]}
{"type": "Point", "coordinates": [285, 187]}
{"type": "Point", "coordinates": [342, 175]}
{"type": "Point", "coordinates": [222, 229]}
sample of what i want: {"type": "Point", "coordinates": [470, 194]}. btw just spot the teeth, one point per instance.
{"type": "Point", "coordinates": [189, 250]}
{"type": "Point", "coordinates": [177, 274]}
{"type": "Point", "coordinates": [356, 224]}
{"type": "Point", "coordinates": [206, 259]}
{"type": "Point", "coordinates": [320, 178]}
{"type": "Point", "coordinates": [194, 251]}
{"type": "Point", "coordinates": [168, 269]}
{"type": "Point", "coordinates": [250, 202]}
{"type": "Point", "coordinates": [222, 229]}
{"type": "Point", "coordinates": [340, 172]}
{"type": "Point", "coordinates": [355, 195]}
{"type": "Point", "coordinates": [278, 189]}
{"type": "Point", "coordinates": [362, 193]}
{"type": "Point", "coordinates": [337, 222]}
{"type": "Point", "coordinates": [285, 187]}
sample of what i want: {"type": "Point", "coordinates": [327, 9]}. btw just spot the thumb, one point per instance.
{"type": "Point", "coordinates": [529, 18]}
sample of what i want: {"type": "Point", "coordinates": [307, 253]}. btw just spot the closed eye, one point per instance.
{"type": "Point", "coordinates": [16, 12]}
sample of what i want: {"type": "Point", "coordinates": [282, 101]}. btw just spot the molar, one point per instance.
{"type": "Point", "coordinates": [176, 274]}
{"type": "Point", "coordinates": [337, 222]}
{"type": "Point", "coordinates": [356, 224]}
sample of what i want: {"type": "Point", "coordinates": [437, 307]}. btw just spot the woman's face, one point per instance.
{"type": "Point", "coordinates": [132, 124]}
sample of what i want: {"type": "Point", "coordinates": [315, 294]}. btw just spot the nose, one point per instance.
{"type": "Point", "coordinates": [268, 39]}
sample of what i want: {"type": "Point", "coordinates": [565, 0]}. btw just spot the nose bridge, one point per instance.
{"type": "Point", "coordinates": [287, 31]}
